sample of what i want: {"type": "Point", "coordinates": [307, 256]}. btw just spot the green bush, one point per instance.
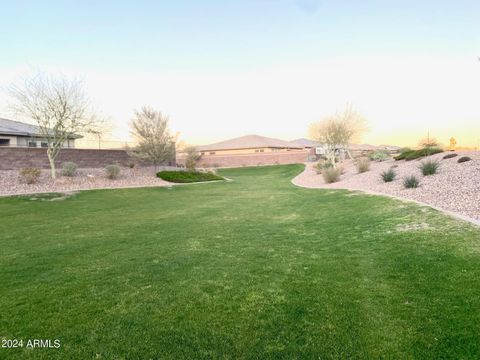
{"type": "Point", "coordinates": [363, 165]}
{"type": "Point", "coordinates": [379, 155]}
{"type": "Point", "coordinates": [449, 156]}
{"type": "Point", "coordinates": [112, 171]}
{"type": "Point", "coordinates": [416, 154]}
{"type": "Point", "coordinates": [331, 174]}
{"type": "Point", "coordinates": [187, 176]}
{"type": "Point", "coordinates": [69, 168]}
{"type": "Point", "coordinates": [429, 167]}
{"type": "Point", "coordinates": [30, 175]}
{"type": "Point", "coordinates": [388, 175]}
{"type": "Point", "coordinates": [464, 159]}
{"type": "Point", "coordinates": [411, 182]}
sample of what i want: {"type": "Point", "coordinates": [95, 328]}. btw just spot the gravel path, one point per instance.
{"type": "Point", "coordinates": [85, 179]}
{"type": "Point", "coordinates": [456, 188]}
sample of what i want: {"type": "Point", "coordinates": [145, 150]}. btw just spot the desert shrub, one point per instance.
{"type": "Point", "coordinates": [321, 165]}
{"type": "Point", "coordinates": [69, 168]}
{"type": "Point", "coordinates": [187, 176]}
{"type": "Point", "coordinates": [416, 154]}
{"type": "Point", "coordinates": [429, 167]}
{"type": "Point", "coordinates": [363, 165]}
{"type": "Point", "coordinates": [449, 156]}
{"type": "Point", "coordinates": [30, 175]}
{"type": "Point", "coordinates": [411, 182]}
{"type": "Point", "coordinates": [379, 155]}
{"type": "Point", "coordinates": [331, 174]}
{"type": "Point", "coordinates": [464, 159]}
{"type": "Point", "coordinates": [388, 175]}
{"type": "Point", "coordinates": [112, 171]}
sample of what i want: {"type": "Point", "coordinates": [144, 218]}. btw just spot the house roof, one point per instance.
{"type": "Point", "coordinates": [17, 128]}
{"type": "Point", "coordinates": [303, 142]}
{"type": "Point", "coordinates": [248, 142]}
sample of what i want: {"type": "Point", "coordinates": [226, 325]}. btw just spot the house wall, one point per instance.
{"type": "Point", "coordinates": [13, 139]}
{"type": "Point", "coordinates": [12, 158]}
{"type": "Point", "coordinates": [247, 151]}
{"type": "Point", "coordinates": [239, 160]}
{"type": "Point", "coordinates": [24, 141]}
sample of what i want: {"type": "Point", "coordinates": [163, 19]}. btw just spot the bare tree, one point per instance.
{"type": "Point", "coordinates": [150, 130]}
{"type": "Point", "coordinates": [339, 131]}
{"type": "Point", "coordinates": [58, 106]}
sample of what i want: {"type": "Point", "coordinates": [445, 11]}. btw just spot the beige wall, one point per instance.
{"type": "Point", "coordinates": [13, 139]}
{"type": "Point", "coordinates": [255, 159]}
{"type": "Point", "coordinates": [247, 151]}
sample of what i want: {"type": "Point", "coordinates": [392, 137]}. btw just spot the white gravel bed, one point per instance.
{"type": "Point", "coordinates": [455, 188]}
{"type": "Point", "coordinates": [11, 182]}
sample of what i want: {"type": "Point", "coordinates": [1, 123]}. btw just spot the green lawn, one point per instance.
{"type": "Point", "coordinates": [253, 268]}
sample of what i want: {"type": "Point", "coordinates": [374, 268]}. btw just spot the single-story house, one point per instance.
{"type": "Point", "coordinates": [249, 144]}
{"type": "Point", "coordinates": [19, 134]}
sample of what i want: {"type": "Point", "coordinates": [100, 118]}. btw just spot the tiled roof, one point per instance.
{"type": "Point", "coordinates": [11, 127]}
{"type": "Point", "coordinates": [248, 142]}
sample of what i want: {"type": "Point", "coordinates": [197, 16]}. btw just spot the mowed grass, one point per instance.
{"type": "Point", "coordinates": [253, 268]}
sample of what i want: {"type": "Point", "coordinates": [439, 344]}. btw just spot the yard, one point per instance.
{"type": "Point", "coordinates": [253, 268]}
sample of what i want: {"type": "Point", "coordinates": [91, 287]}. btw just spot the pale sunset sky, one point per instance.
{"type": "Point", "coordinates": [222, 69]}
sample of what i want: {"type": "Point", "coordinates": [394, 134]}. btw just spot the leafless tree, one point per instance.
{"type": "Point", "coordinates": [150, 130]}
{"type": "Point", "coordinates": [58, 106]}
{"type": "Point", "coordinates": [339, 131]}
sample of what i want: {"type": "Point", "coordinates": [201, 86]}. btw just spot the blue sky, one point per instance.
{"type": "Point", "coordinates": [232, 38]}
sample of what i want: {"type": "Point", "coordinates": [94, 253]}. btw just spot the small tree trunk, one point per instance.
{"type": "Point", "coordinates": [349, 154]}
{"type": "Point", "coordinates": [51, 160]}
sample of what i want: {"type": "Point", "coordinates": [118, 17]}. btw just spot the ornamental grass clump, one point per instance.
{"type": "Point", "coordinates": [388, 175]}
{"type": "Point", "coordinates": [411, 182]}
{"type": "Point", "coordinates": [363, 165]}
{"type": "Point", "coordinates": [331, 175]}
{"type": "Point", "coordinates": [429, 167]}
{"type": "Point", "coordinates": [30, 175]}
{"type": "Point", "coordinates": [112, 171]}
{"type": "Point", "coordinates": [69, 169]}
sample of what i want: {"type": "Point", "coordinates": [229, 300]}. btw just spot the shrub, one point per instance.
{"type": "Point", "coordinates": [416, 154]}
{"type": "Point", "coordinates": [112, 171]}
{"type": "Point", "coordinates": [322, 165]}
{"type": "Point", "coordinates": [429, 167]}
{"type": "Point", "coordinates": [388, 175]}
{"type": "Point", "coordinates": [411, 182]}
{"type": "Point", "coordinates": [30, 175]}
{"type": "Point", "coordinates": [187, 176]}
{"type": "Point", "coordinates": [464, 159]}
{"type": "Point", "coordinates": [331, 174]}
{"type": "Point", "coordinates": [379, 155]}
{"type": "Point", "coordinates": [363, 165]}
{"type": "Point", "coordinates": [192, 155]}
{"type": "Point", "coordinates": [69, 169]}
{"type": "Point", "coordinates": [449, 156]}
{"type": "Point", "coordinates": [131, 164]}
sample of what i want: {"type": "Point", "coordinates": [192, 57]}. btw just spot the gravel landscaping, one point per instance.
{"type": "Point", "coordinates": [11, 182]}
{"type": "Point", "coordinates": [456, 187]}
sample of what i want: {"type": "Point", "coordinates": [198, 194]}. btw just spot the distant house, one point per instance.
{"type": "Point", "coordinates": [19, 134]}
{"type": "Point", "coordinates": [249, 144]}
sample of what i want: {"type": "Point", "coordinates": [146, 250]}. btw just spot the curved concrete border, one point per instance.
{"type": "Point", "coordinates": [367, 192]}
